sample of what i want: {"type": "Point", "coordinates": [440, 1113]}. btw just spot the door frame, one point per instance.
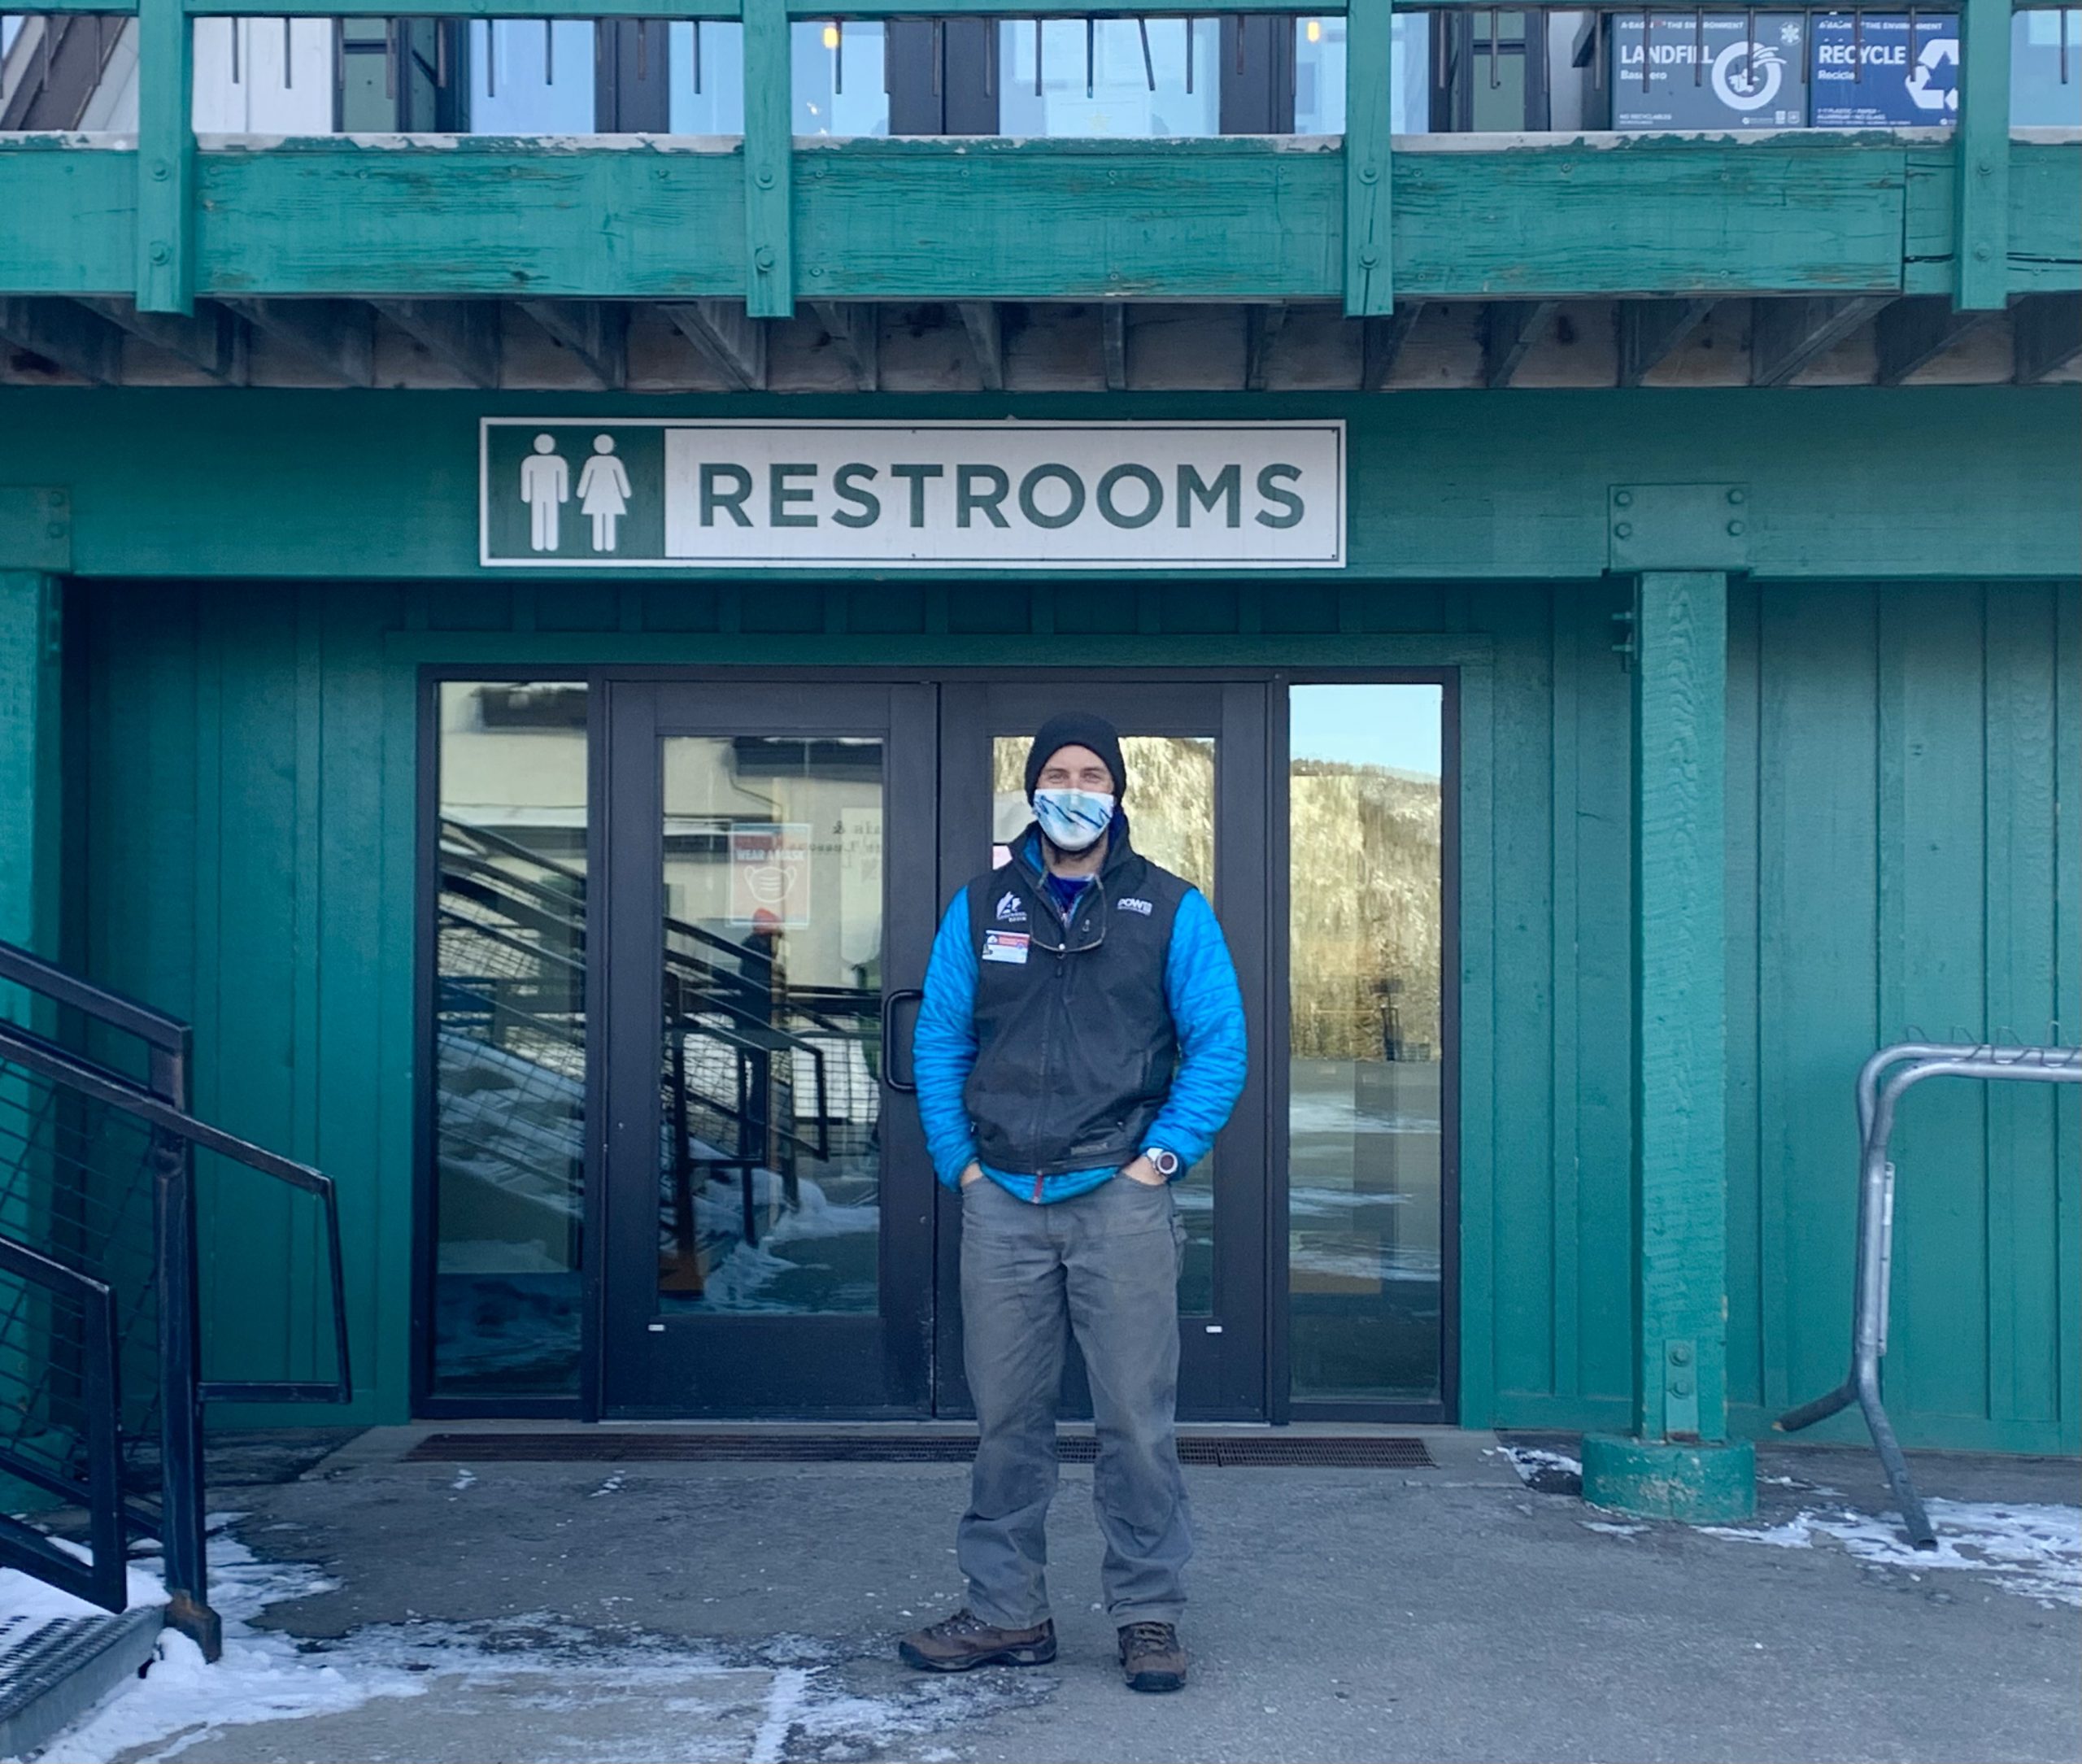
{"type": "Point", "coordinates": [1459, 664]}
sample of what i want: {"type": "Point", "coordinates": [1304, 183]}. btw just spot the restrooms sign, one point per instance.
{"type": "Point", "coordinates": [665, 493]}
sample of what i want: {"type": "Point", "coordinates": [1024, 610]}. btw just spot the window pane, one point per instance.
{"type": "Point", "coordinates": [510, 1038]}
{"type": "Point", "coordinates": [1108, 91]}
{"type": "Point", "coordinates": [1365, 934]}
{"type": "Point", "coordinates": [1319, 74]}
{"type": "Point", "coordinates": [1172, 818]}
{"type": "Point", "coordinates": [769, 1193]}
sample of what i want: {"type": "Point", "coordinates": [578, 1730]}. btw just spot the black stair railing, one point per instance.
{"type": "Point", "coordinates": [101, 1383]}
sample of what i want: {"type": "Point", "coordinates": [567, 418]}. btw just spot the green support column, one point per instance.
{"type": "Point", "coordinates": [1982, 143]}
{"type": "Point", "coordinates": [166, 159]}
{"type": "Point", "coordinates": [1677, 1463]}
{"type": "Point", "coordinates": [769, 141]}
{"type": "Point", "coordinates": [1368, 160]}
{"type": "Point", "coordinates": [30, 780]}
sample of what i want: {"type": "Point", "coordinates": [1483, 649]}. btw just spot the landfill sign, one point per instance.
{"type": "Point", "coordinates": [770, 874]}
{"type": "Point", "coordinates": [1887, 69]}
{"type": "Point", "coordinates": [1706, 70]}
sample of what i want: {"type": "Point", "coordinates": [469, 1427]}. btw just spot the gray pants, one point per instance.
{"type": "Point", "coordinates": [1105, 1265]}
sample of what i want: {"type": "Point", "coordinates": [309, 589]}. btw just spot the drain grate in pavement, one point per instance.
{"type": "Point", "coordinates": [1312, 1451]}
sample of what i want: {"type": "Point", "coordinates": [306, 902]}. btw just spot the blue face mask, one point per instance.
{"type": "Point", "coordinates": [1073, 819]}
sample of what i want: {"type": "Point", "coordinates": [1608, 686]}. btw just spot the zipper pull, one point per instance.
{"type": "Point", "coordinates": [1037, 1191]}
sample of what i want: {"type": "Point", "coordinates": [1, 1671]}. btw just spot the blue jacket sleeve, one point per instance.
{"type": "Point", "coordinates": [1207, 1008]}
{"type": "Point", "coordinates": [944, 1049]}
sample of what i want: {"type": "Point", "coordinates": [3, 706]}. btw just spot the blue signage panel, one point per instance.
{"type": "Point", "coordinates": [1887, 69]}
{"type": "Point", "coordinates": [1705, 70]}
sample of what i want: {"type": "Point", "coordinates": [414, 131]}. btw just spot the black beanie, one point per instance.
{"type": "Point", "coordinates": [1077, 729]}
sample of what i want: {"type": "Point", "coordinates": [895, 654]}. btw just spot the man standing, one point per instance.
{"type": "Point", "coordinates": [1080, 1045]}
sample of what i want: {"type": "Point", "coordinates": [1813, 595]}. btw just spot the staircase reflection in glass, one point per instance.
{"type": "Point", "coordinates": [770, 1154]}
{"type": "Point", "coordinates": [510, 1039]}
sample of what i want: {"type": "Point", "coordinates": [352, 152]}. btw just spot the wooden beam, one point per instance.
{"type": "Point", "coordinates": [1981, 141]}
{"type": "Point", "coordinates": [164, 230]}
{"type": "Point", "coordinates": [1509, 327]}
{"type": "Point", "coordinates": [337, 337]}
{"type": "Point", "coordinates": [211, 339]}
{"type": "Point", "coordinates": [462, 334]}
{"type": "Point", "coordinates": [1785, 336]}
{"type": "Point", "coordinates": [733, 344]}
{"type": "Point", "coordinates": [1369, 161]}
{"type": "Point", "coordinates": [986, 339]}
{"type": "Point", "coordinates": [1826, 216]}
{"type": "Point", "coordinates": [769, 290]}
{"type": "Point", "coordinates": [66, 336]}
{"type": "Point", "coordinates": [1651, 330]}
{"type": "Point", "coordinates": [1910, 333]}
{"type": "Point", "coordinates": [1113, 344]}
{"type": "Point", "coordinates": [2047, 333]}
{"type": "Point", "coordinates": [855, 332]}
{"type": "Point", "coordinates": [595, 331]}
{"type": "Point", "coordinates": [1381, 342]}
{"type": "Point", "coordinates": [1262, 325]}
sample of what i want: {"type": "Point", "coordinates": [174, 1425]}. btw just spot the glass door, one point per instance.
{"type": "Point", "coordinates": [768, 1214]}
{"type": "Point", "coordinates": [1197, 804]}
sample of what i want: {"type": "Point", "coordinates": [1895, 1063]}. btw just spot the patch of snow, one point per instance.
{"type": "Point", "coordinates": [262, 1676]}
{"type": "Point", "coordinates": [464, 1478]}
{"type": "Point", "coordinates": [2033, 1551]}
{"type": "Point", "coordinates": [607, 1487]}
{"type": "Point", "coordinates": [1530, 1461]}
{"type": "Point", "coordinates": [1611, 1530]}
{"type": "Point", "coordinates": [1795, 1534]}
{"type": "Point", "coordinates": [784, 1709]}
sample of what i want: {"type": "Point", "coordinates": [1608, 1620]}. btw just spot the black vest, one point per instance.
{"type": "Point", "coordinates": [1075, 1046]}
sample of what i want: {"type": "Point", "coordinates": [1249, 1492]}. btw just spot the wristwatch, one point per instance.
{"type": "Point", "coordinates": [1164, 1163]}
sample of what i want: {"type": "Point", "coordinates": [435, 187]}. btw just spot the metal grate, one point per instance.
{"type": "Point", "coordinates": [1246, 1451]}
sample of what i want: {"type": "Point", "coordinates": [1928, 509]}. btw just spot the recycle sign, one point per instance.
{"type": "Point", "coordinates": [1924, 93]}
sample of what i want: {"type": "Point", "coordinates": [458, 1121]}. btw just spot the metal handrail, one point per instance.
{"type": "Point", "coordinates": [1879, 1098]}
{"type": "Point", "coordinates": [103, 1578]}
{"type": "Point", "coordinates": [160, 1105]}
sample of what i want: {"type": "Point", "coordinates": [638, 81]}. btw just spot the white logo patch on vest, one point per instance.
{"type": "Point", "coordinates": [1129, 903]}
{"type": "Point", "coordinates": [1005, 946]}
{"type": "Point", "coordinates": [1010, 912]}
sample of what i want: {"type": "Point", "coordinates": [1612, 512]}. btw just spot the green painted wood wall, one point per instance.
{"type": "Point", "coordinates": [247, 763]}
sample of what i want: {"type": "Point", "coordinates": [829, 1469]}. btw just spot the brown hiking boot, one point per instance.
{"type": "Point", "coordinates": [1152, 1658]}
{"type": "Point", "coordinates": [957, 1643]}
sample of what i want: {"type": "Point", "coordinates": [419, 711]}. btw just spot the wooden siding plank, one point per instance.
{"type": "Point", "coordinates": [1745, 1278]}
{"type": "Point", "coordinates": [2067, 957]}
{"type": "Point", "coordinates": [1236, 218]}
{"type": "Point", "coordinates": [1816, 925]}
{"type": "Point", "coordinates": [2023, 1281]}
{"type": "Point", "coordinates": [373, 1170]}
{"type": "Point", "coordinates": [1222, 219]}
{"type": "Point", "coordinates": [1523, 1100]}
{"type": "Point", "coordinates": [72, 218]}
{"type": "Point", "coordinates": [1480, 1009]}
{"type": "Point", "coordinates": [1604, 961]}
{"type": "Point", "coordinates": [1933, 903]}
{"type": "Point", "coordinates": [1571, 611]}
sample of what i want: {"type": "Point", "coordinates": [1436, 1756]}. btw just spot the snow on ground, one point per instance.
{"type": "Point", "coordinates": [262, 1677]}
{"type": "Point", "coordinates": [786, 1695]}
{"type": "Point", "coordinates": [2033, 1551]}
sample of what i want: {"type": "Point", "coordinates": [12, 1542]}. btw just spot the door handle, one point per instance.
{"type": "Point", "coordinates": [889, 1002]}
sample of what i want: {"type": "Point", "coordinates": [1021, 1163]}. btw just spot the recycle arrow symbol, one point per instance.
{"type": "Point", "coordinates": [1941, 52]}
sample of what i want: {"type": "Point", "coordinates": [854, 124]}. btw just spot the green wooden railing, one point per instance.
{"type": "Point", "coordinates": [166, 148]}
